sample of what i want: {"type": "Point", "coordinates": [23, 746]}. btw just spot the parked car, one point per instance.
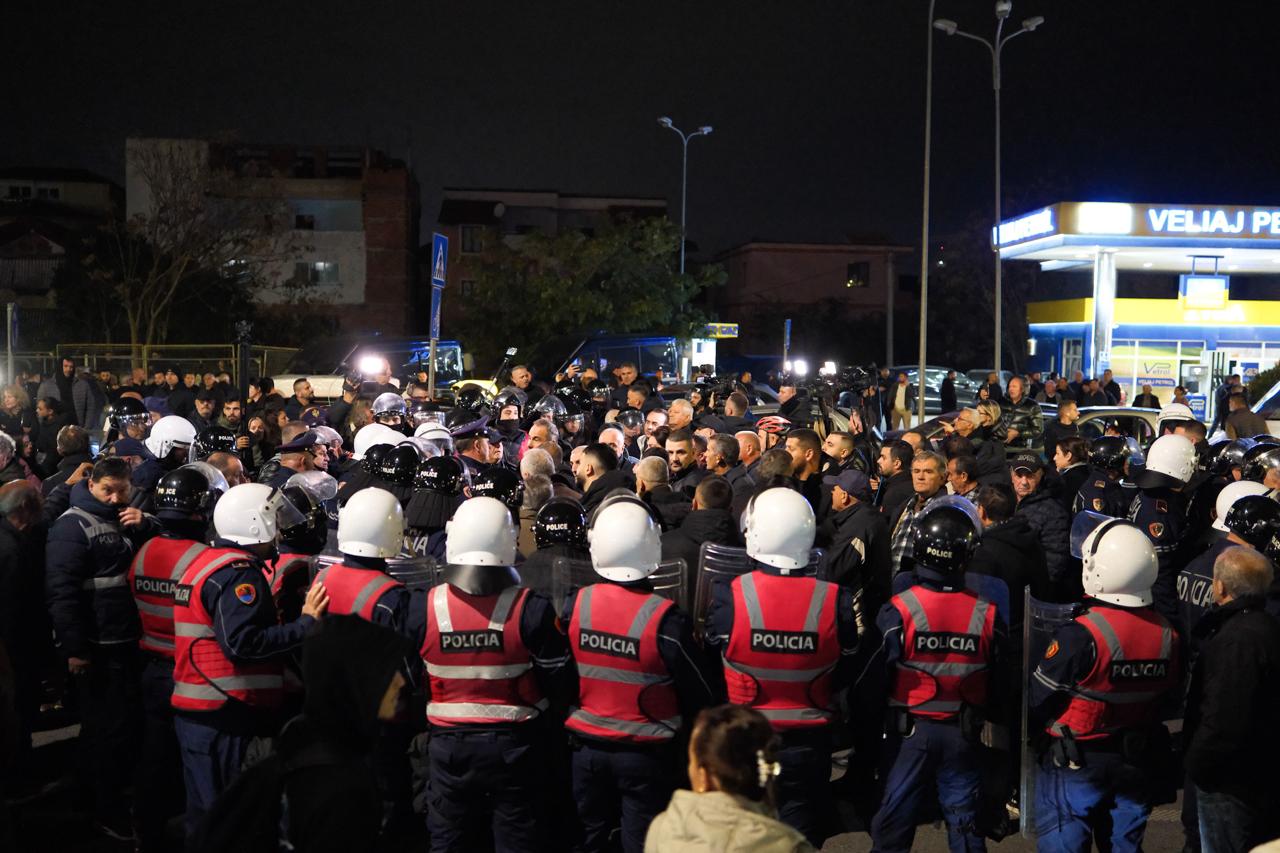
{"type": "Point", "coordinates": [966, 389]}
{"type": "Point", "coordinates": [1268, 406]}
{"type": "Point", "coordinates": [1094, 422]}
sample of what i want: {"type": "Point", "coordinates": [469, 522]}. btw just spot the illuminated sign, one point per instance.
{"type": "Point", "coordinates": [1026, 227]}
{"type": "Point", "coordinates": [1204, 291]}
{"type": "Point", "coordinates": [722, 330]}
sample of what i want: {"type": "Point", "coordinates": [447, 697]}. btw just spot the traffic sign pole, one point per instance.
{"type": "Point", "coordinates": [439, 268]}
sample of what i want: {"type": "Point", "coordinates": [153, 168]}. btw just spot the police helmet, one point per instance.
{"type": "Point", "coordinates": [1256, 520]}
{"type": "Point", "coordinates": [190, 490]}
{"type": "Point", "coordinates": [630, 418]}
{"type": "Point", "coordinates": [574, 395]}
{"type": "Point", "coordinates": [508, 397]}
{"type": "Point", "coordinates": [474, 399]}
{"type": "Point", "coordinates": [459, 417]}
{"type": "Point", "coordinates": [1109, 452]}
{"type": "Point", "coordinates": [212, 440]}
{"type": "Point", "coordinates": [944, 538]}
{"type": "Point", "coordinates": [1229, 455]}
{"type": "Point", "coordinates": [309, 534]}
{"type": "Point", "coordinates": [441, 474]}
{"type": "Point", "coordinates": [399, 465]}
{"type": "Point", "coordinates": [1257, 460]}
{"type": "Point", "coordinates": [501, 483]}
{"type": "Point", "coordinates": [373, 457]}
{"type": "Point", "coordinates": [561, 521]}
{"type": "Point", "coordinates": [599, 390]}
{"type": "Point", "coordinates": [436, 435]}
{"type": "Point", "coordinates": [424, 412]}
{"type": "Point", "coordinates": [550, 406]}
{"type": "Point", "coordinates": [389, 407]}
{"type": "Point", "coordinates": [129, 410]}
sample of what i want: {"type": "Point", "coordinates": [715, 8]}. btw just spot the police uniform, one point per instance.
{"type": "Point", "coordinates": [154, 574]}
{"type": "Point", "coordinates": [783, 639]}
{"type": "Point", "coordinates": [1161, 513]}
{"type": "Point", "coordinates": [289, 575]}
{"type": "Point", "coordinates": [360, 586]}
{"type": "Point", "coordinates": [489, 659]}
{"type": "Point", "coordinates": [639, 680]}
{"type": "Point", "coordinates": [1096, 695]}
{"type": "Point", "coordinates": [1100, 493]}
{"type": "Point", "coordinates": [939, 656]}
{"type": "Point", "coordinates": [1195, 589]}
{"type": "Point", "coordinates": [228, 676]}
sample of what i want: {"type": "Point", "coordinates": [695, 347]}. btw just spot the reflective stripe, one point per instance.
{"type": "Point", "coordinates": [978, 620]}
{"type": "Point", "coordinates": [1108, 635]}
{"type": "Point", "coordinates": [1166, 643]}
{"type": "Point", "coordinates": [218, 563]}
{"type": "Point", "coordinates": [662, 728]}
{"type": "Point", "coordinates": [584, 609]}
{"type": "Point", "coordinates": [188, 557]}
{"type": "Point", "coordinates": [374, 585]}
{"type": "Point", "coordinates": [218, 688]}
{"type": "Point", "coordinates": [476, 711]}
{"type": "Point", "coordinates": [162, 611]}
{"type": "Point", "coordinates": [623, 676]}
{"type": "Point", "coordinates": [483, 673]}
{"type": "Point", "coordinates": [777, 674]}
{"type": "Point", "coordinates": [190, 629]}
{"type": "Point", "coordinates": [815, 607]}
{"type": "Point", "coordinates": [643, 615]}
{"type": "Point", "coordinates": [502, 608]}
{"type": "Point", "coordinates": [441, 605]}
{"type": "Point", "coordinates": [93, 526]}
{"type": "Point", "coordinates": [752, 599]}
{"type": "Point", "coordinates": [794, 714]}
{"type": "Point", "coordinates": [1127, 698]}
{"type": "Point", "coordinates": [158, 642]}
{"type": "Point", "coordinates": [141, 558]}
{"type": "Point", "coordinates": [941, 668]}
{"type": "Point", "coordinates": [106, 583]}
{"type": "Point", "coordinates": [916, 609]}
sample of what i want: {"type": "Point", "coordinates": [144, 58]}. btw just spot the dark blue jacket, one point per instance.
{"type": "Point", "coordinates": [87, 557]}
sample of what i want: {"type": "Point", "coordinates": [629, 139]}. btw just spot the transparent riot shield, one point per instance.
{"type": "Point", "coordinates": [671, 580]}
{"type": "Point", "coordinates": [416, 573]}
{"type": "Point", "coordinates": [1040, 623]}
{"type": "Point", "coordinates": [717, 563]}
{"type": "Point", "coordinates": [567, 576]}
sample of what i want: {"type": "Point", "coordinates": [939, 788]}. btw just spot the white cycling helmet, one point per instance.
{"type": "Point", "coordinates": [371, 524]}
{"type": "Point", "coordinates": [779, 529]}
{"type": "Point", "coordinates": [628, 546]}
{"type": "Point", "coordinates": [1231, 493]}
{"type": "Point", "coordinates": [1171, 461]}
{"type": "Point", "coordinates": [481, 533]}
{"type": "Point", "coordinates": [169, 432]}
{"type": "Point", "coordinates": [371, 435]}
{"type": "Point", "coordinates": [1120, 563]}
{"type": "Point", "coordinates": [254, 514]}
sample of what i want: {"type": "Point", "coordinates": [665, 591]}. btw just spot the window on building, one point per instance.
{"type": "Point", "coordinates": [50, 193]}
{"type": "Point", "coordinates": [468, 287]}
{"type": "Point", "coordinates": [472, 239]}
{"type": "Point", "coordinates": [316, 272]}
{"type": "Point", "coordinates": [857, 274]}
{"type": "Point", "coordinates": [304, 222]}
{"type": "Point", "coordinates": [16, 191]}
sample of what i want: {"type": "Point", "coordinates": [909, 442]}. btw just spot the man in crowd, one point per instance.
{"type": "Point", "coordinates": [928, 483]}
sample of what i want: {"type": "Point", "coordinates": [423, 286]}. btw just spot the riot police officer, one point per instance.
{"type": "Point", "coordinates": [940, 656]}
{"type": "Point", "coordinates": [559, 532]}
{"type": "Point", "coordinates": [639, 682]}
{"type": "Point", "coordinates": [390, 409]}
{"type": "Point", "coordinates": [438, 490]}
{"type": "Point", "coordinates": [370, 531]}
{"type": "Point", "coordinates": [492, 652]}
{"type": "Point", "coordinates": [169, 444]}
{"type": "Point", "coordinates": [1160, 511]}
{"type": "Point", "coordinates": [1096, 695]}
{"type": "Point", "coordinates": [783, 636]}
{"type": "Point", "coordinates": [1101, 490]}
{"type": "Point", "coordinates": [502, 484]}
{"type": "Point", "coordinates": [184, 502]}
{"type": "Point", "coordinates": [509, 404]}
{"type": "Point", "coordinates": [228, 675]}
{"type": "Point", "coordinates": [371, 443]}
{"type": "Point", "coordinates": [312, 494]}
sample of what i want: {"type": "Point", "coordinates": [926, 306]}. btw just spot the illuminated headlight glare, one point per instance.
{"type": "Point", "coordinates": [1104, 217]}
{"type": "Point", "coordinates": [800, 367]}
{"type": "Point", "coordinates": [828, 368]}
{"type": "Point", "coordinates": [786, 366]}
{"type": "Point", "coordinates": [371, 365]}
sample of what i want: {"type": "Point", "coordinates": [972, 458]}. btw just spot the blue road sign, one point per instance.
{"type": "Point", "coordinates": [786, 336]}
{"type": "Point", "coordinates": [439, 259]}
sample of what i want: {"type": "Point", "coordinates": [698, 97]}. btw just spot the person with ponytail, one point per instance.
{"type": "Point", "coordinates": [733, 768]}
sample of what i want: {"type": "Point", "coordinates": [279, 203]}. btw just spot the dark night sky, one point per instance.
{"type": "Point", "coordinates": [817, 107]}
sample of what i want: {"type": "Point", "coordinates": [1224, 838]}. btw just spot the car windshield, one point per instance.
{"type": "Point", "coordinates": [329, 356]}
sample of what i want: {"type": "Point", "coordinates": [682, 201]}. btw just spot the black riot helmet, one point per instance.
{"type": "Point", "coordinates": [1257, 460]}
{"type": "Point", "coordinates": [944, 539]}
{"type": "Point", "coordinates": [510, 396]}
{"type": "Point", "coordinates": [474, 399]}
{"type": "Point", "coordinates": [577, 395]}
{"type": "Point", "coordinates": [312, 534]}
{"type": "Point", "coordinates": [399, 465]}
{"type": "Point", "coordinates": [561, 521]}
{"type": "Point", "coordinates": [425, 411]}
{"type": "Point", "coordinates": [501, 483]}
{"type": "Point", "coordinates": [190, 490]}
{"type": "Point", "coordinates": [550, 406]}
{"type": "Point", "coordinates": [1228, 455]}
{"type": "Point", "coordinates": [128, 410]}
{"type": "Point", "coordinates": [373, 457]}
{"type": "Point", "coordinates": [441, 474]}
{"type": "Point", "coordinates": [212, 440]}
{"type": "Point", "coordinates": [1109, 452]}
{"type": "Point", "coordinates": [630, 418]}
{"type": "Point", "coordinates": [1256, 520]}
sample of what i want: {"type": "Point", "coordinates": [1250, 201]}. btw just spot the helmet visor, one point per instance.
{"type": "Point", "coordinates": [1084, 525]}
{"type": "Point", "coordinates": [956, 502]}
{"type": "Point", "coordinates": [287, 515]}
{"type": "Point", "coordinates": [318, 484]}
{"type": "Point", "coordinates": [217, 482]}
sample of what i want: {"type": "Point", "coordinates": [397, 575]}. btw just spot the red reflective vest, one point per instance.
{"type": "Point", "coordinates": [478, 668]}
{"type": "Point", "coordinates": [353, 590]}
{"type": "Point", "coordinates": [204, 677]}
{"type": "Point", "coordinates": [625, 692]}
{"type": "Point", "coordinates": [779, 659]}
{"type": "Point", "coordinates": [946, 651]}
{"type": "Point", "coordinates": [153, 576]}
{"type": "Point", "coordinates": [1135, 664]}
{"type": "Point", "coordinates": [284, 569]}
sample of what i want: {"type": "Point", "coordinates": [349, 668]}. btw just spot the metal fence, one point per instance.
{"type": "Point", "coordinates": [120, 359]}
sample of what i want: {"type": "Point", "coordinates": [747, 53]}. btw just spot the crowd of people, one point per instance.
{"type": "Point", "coordinates": [579, 615]}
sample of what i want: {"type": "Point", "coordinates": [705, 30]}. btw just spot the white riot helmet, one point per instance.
{"type": "Point", "coordinates": [254, 514]}
{"type": "Point", "coordinates": [1171, 461]}
{"type": "Point", "coordinates": [437, 434]}
{"type": "Point", "coordinates": [371, 435]}
{"type": "Point", "coordinates": [481, 533]}
{"type": "Point", "coordinates": [626, 544]}
{"type": "Point", "coordinates": [1231, 493]}
{"type": "Point", "coordinates": [1120, 563]}
{"type": "Point", "coordinates": [371, 524]}
{"type": "Point", "coordinates": [779, 529]}
{"type": "Point", "coordinates": [169, 432]}
{"type": "Point", "coordinates": [327, 435]}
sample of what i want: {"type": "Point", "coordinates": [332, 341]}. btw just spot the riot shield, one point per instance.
{"type": "Point", "coordinates": [416, 573]}
{"type": "Point", "coordinates": [671, 580]}
{"type": "Point", "coordinates": [1041, 622]}
{"type": "Point", "coordinates": [567, 576]}
{"type": "Point", "coordinates": [718, 563]}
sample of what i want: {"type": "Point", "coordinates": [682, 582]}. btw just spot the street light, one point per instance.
{"type": "Point", "coordinates": [705, 130]}
{"type": "Point", "coordinates": [995, 47]}
{"type": "Point", "coordinates": [924, 214]}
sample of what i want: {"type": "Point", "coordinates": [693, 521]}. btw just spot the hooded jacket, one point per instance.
{"type": "Point", "coordinates": [717, 822]}
{"type": "Point", "coordinates": [1010, 550]}
{"type": "Point", "coordinates": [700, 525]}
{"type": "Point", "coordinates": [670, 505]}
{"type": "Point", "coordinates": [604, 484]}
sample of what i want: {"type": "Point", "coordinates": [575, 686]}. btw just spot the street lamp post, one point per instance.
{"type": "Point", "coordinates": [995, 47]}
{"type": "Point", "coordinates": [684, 172]}
{"type": "Point", "coordinates": [924, 213]}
